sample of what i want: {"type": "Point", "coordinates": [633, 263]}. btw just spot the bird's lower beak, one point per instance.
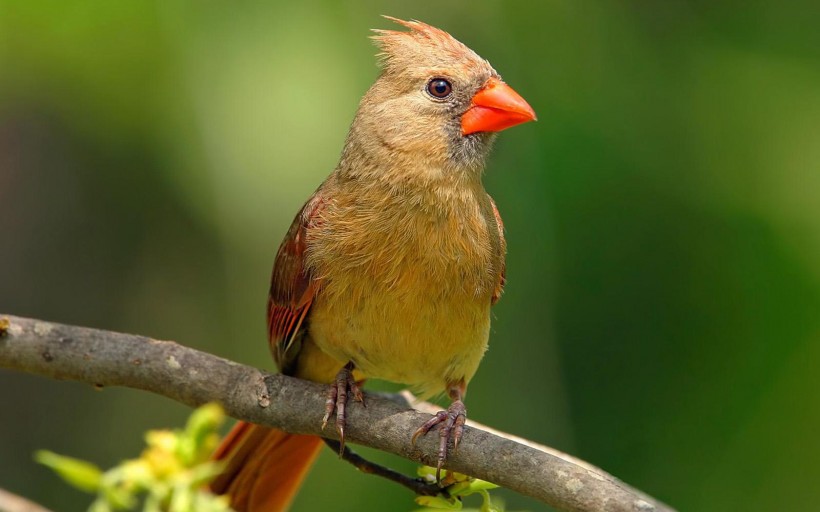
{"type": "Point", "coordinates": [494, 108]}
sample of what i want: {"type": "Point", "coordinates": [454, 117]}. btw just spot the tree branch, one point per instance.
{"type": "Point", "coordinates": [12, 503]}
{"type": "Point", "coordinates": [105, 358]}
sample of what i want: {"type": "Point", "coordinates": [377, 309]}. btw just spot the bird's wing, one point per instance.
{"type": "Point", "coordinates": [502, 275]}
{"type": "Point", "coordinates": [292, 288]}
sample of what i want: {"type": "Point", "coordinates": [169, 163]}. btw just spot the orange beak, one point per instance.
{"type": "Point", "coordinates": [494, 108]}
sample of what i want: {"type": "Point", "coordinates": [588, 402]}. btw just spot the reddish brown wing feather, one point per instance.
{"type": "Point", "coordinates": [292, 289]}
{"type": "Point", "coordinates": [502, 276]}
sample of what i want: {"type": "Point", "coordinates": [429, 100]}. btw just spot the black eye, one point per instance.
{"type": "Point", "coordinates": [439, 88]}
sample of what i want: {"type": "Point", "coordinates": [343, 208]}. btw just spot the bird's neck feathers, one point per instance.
{"type": "Point", "coordinates": [394, 144]}
{"type": "Point", "coordinates": [372, 154]}
{"type": "Point", "coordinates": [375, 175]}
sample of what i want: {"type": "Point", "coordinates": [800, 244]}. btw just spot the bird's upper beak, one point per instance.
{"type": "Point", "coordinates": [494, 108]}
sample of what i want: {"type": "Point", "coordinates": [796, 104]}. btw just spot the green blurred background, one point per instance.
{"type": "Point", "coordinates": [662, 312]}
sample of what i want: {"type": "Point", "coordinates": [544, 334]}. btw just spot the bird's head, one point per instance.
{"type": "Point", "coordinates": [436, 105]}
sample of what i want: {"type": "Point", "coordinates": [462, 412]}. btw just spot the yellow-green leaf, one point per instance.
{"type": "Point", "coordinates": [79, 473]}
{"type": "Point", "coordinates": [439, 502]}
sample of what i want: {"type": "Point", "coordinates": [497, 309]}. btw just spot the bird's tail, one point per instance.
{"type": "Point", "coordinates": [264, 467]}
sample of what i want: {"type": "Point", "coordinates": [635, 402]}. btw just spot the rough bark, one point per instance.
{"type": "Point", "coordinates": [192, 377]}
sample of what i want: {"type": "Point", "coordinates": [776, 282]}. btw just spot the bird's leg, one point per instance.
{"type": "Point", "coordinates": [452, 424]}
{"type": "Point", "coordinates": [337, 400]}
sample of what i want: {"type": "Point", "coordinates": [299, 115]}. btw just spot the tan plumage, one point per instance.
{"type": "Point", "coordinates": [405, 292]}
{"type": "Point", "coordinates": [395, 261]}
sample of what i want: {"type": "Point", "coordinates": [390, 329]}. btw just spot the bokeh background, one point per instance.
{"type": "Point", "coordinates": [662, 314]}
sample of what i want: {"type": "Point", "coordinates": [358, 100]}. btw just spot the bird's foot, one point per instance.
{"type": "Point", "coordinates": [451, 426]}
{"type": "Point", "coordinates": [343, 386]}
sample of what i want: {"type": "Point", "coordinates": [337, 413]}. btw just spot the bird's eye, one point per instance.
{"type": "Point", "coordinates": [439, 88]}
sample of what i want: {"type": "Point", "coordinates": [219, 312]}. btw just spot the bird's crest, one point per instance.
{"type": "Point", "coordinates": [423, 45]}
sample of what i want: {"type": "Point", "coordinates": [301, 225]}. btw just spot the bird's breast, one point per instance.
{"type": "Point", "coordinates": [405, 287]}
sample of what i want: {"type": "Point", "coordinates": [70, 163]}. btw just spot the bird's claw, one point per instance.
{"type": "Point", "coordinates": [343, 386]}
{"type": "Point", "coordinates": [451, 424]}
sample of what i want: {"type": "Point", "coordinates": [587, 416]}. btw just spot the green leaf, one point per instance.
{"type": "Point", "coordinates": [439, 502]}
{"type": "Point", "coordinates": [471, 487]}
{"type": "Point", "coordinates": [482, 485]}
{"type": "Point", "coordinates": [169, 475]}
{"type": "Point", "coordinates": [79, 473]}
{"type": "Point", "coordinates": [199, 437]}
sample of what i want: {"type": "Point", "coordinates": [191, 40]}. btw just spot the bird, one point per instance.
{"type": "Point", "coordinates": [390, 269]}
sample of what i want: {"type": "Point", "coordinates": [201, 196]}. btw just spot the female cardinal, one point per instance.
{"type": "Point", "coordinates": [390, 269]}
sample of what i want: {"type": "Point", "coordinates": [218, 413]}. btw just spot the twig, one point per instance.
{"type": "Point", "coordinates": [417, 485]}
{"type": "Point", "coordinates": [105, 358]}
{"type": "Point", "coordinates": [12, 503]}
